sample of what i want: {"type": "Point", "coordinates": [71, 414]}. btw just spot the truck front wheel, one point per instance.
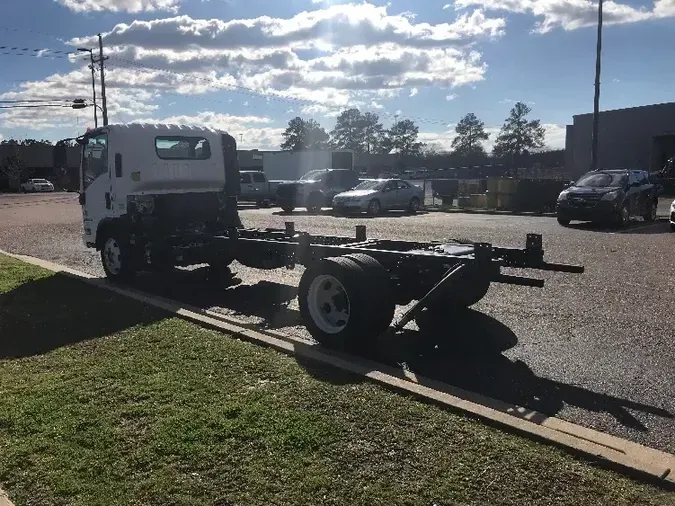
{"type": "Point", "coordinates": [116, 258]}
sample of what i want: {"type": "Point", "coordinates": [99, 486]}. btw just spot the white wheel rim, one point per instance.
{"type": "Point", "coordinates": [415, 204]}
{"type": "Point", "coordinates": [374, 206]}
{"type": "Point", "coordinates": [328, 304]}
{"type": "Point", "coordinates": [112, 256]}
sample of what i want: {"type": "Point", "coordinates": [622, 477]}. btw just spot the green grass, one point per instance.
{"type": "Point", "coordinates": [105, 401]}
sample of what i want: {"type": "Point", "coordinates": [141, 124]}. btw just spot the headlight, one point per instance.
{"type": "Point", "coordinates": [144, 204]}
{"type": "Point", "coordinates": [610, 195]}
{"type": "Point", "coordinates": [563, 195]}
{"type": "Point", "coordinates": [672, 207]}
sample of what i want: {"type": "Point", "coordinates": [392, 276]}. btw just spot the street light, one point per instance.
{"type": "Point", "coordinates": [596, 98]}
{"type": "Point", "coordinates": [93, 80]}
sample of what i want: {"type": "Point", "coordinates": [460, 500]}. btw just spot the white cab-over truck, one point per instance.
{"type": "Point", "coordinates": [158, 196]}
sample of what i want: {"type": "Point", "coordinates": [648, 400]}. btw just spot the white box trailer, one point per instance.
{"type": "Point", "coordinates": [292, 165]}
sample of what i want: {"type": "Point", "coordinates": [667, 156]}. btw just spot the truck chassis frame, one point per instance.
{"type": "Point", "coordinates": [436, 275]}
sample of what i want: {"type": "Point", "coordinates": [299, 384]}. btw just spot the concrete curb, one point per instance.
{"type": "Point", "coordinates": [4, 500]}
{"type": "Point", "coordinates": [619, 454]}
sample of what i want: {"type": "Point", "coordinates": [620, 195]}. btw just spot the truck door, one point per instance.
{"type": "Point", "coordinates": [247, 189]}
{"type": "Point", "coordinates": [95, 184]}
{"type": "Point", "coordinates": [260, 185]}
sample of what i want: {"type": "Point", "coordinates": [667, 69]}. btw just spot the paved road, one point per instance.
{"type": "Point", "coordinates": [596, 348]}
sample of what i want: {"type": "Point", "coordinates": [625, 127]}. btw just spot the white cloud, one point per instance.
{"type": "Point", "coordinates": [376, 105]}
{"type": "Point", "coordinates": [252, 130]}
{"type": "Point", "coordinates": [447, 6]}
{"type": "Point", "coordinates": [511, 101]}
{"type": "Point", "coordinates": [450, 97]}
{"type": "Point", "coordinates": [413, 92]}
{"type": "Point", "coordinates": [334, 26]}
{"type": "Point", "coordinates": [574, 14]}
{"type": "Point", "coordinates": [120, 5]}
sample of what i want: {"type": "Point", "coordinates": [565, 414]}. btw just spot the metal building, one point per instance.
{"type": "Point", "coordinates": [634, 138]}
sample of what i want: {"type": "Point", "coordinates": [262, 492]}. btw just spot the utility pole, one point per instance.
{"type": "Point", "coordinates": [596, 99]}
{"type": "Point", "coordinates": [93, 80]}
{"type": "Point", "coordinates": [101, 59]}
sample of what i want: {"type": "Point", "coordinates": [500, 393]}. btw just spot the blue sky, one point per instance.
{"type": "Point", "coordinates": [248, 66]}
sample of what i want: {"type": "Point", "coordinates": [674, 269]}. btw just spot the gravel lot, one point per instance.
{"type": "Point", "coordinates": [594, 348]}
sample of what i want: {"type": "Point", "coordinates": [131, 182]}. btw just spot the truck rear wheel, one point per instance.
{"type": "Point", "coordinates": [116, 258]}
{"type": "Point", "coordinates": [337, 304]}
{"type": "Point", "coordinates": [379, 284]}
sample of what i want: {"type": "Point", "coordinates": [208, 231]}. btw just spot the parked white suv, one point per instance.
{"type": "Point", "coordinates": [671, 216]}
{"type": "Point", "coordinates": [37, 185]}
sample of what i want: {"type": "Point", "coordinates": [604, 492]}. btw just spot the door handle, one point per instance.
{"type": "Point", "coordinates": [107, 200]}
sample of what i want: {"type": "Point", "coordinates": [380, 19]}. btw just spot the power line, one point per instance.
{"type": "Point", "coordinates": [33, 106]}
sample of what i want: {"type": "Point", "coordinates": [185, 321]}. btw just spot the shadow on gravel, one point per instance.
{"type": "Point", "coordinates": [265, 300]}
{"type": "Point", "coordinates": [47, 313]}
{"type": "Point", "coordinates": [660, 226]}
{"type": "Point", "coordinates": [330, 212]}
{"type": "Point", "coordinates": [469, 355]}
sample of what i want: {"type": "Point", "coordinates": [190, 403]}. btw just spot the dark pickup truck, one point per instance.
{"type": "Point", "coordinates": [316, 189]}
{"type": "Point", "coordinates": [609, 196]}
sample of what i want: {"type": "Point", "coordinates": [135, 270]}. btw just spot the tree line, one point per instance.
{"type": "Point", "coordinates": [364, 133]}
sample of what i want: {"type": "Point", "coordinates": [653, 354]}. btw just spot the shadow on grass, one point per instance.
{"type": "Point", "coordinates": [468, 355]}
{"type": "Point", "coordinates": [47, 313]}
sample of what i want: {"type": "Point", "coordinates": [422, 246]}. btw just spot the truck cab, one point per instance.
{"type": "Point", "coordinates": [144, 188]}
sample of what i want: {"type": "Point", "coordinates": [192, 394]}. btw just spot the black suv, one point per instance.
{"type": "Point", "coordinates": [316, 189]}
{"type": "Point", "coordinates": [608, 195]}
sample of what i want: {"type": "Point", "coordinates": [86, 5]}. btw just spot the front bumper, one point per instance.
{"type": "Point", "coordinates": [587, 210]}
{"type": "Point", "coordinates": [350, 206]}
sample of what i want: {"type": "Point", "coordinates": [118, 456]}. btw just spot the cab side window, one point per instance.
{"type": "Point", "coordinates": [245, 178]}
{"type": "Point", "coordinates": [258, 177]}
{"type": "Point", "coordinates": [94, 159]}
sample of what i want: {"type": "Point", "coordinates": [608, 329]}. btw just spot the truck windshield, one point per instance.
{"type": "Point", "coordinates": [603, 180]}
{"type": "Point", "coordinates": [314, 175]}
{"type": "Point", "coordinates": [370, 185]}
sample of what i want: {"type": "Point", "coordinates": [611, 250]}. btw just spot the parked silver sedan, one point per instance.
{"type": "Point", "coordinates": [376, 195]}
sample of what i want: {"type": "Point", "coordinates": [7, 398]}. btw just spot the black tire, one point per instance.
{"type": "Point", "coordinates": [381, 292]}
{"type": "Point", "coordinates": [672, 227]}
{"type": "Point", "coordinates": [352, 333]}
{"type": "Point", "coordinates": [116, 257]}
{"type": "Point", "coordinates": [287, 208]}
{"type": "Point", "coordinates": [651, 214]}
{"type": "Point", "coordinates": [314, 203]}
{"type": "Point", "coordinates": [374, 207]}
{"type": "Point", "coordinates": [414, 205]}
{"type": "Point", "coordinates": [563, 221]}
